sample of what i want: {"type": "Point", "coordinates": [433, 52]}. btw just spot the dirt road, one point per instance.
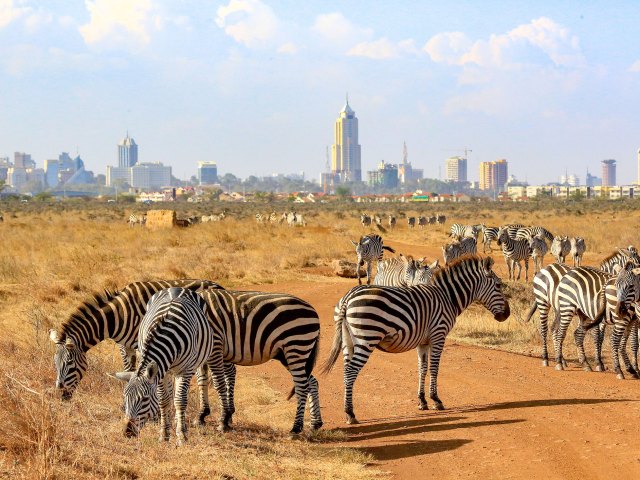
{"type": "Point", "coordinates": [506, 416]}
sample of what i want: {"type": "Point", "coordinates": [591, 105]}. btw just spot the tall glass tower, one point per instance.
{"type": "Point", "coordinates": [127, 152]}
{"type": "Point", "coordinates": [345, 158]}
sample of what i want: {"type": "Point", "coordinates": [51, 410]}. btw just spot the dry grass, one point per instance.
{"type": "Point", "coordinates": [53, 257]}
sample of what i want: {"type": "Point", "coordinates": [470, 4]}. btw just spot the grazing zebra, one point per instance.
{"type": "Point", "coordinates": [619, 258]}
{"type": "Point", "coordinates": [527, 233]}
{"type": "Point", "coordinates": [258, 327]}
{"type": "Point", "coordinates": [622, 293]}
{"type": "Point", "coordinates": [422, 221]}
{"type": "Point", "coordinates": [581, 292]}
{"type": "Point", "coordinates": [403, 272]}
{"type": "Point", "coordinates": [432, 220]}
{"type": "Point", "coordinates": [412, 222]}
{"type": "Point", "coordinates": [365, 220]}
{"type": "Point", "coordinates": [461, 231]}
{"type": "Point", "coordinates": [578, 248]}
{"type": "Point", "coordinates": [545, 288]}
{"type": "Point", "coordinates": [114, 315]}
{"type": "Point", "coordinates": [369, 248]}
{"type": "Point", "coordinates": [398, 319]}
{"type": "Point", "coordinates": [465, 246]}
{"type": "Point", "coordinates": [538, 250]}
{"type": "Point", "coordinates": [441, 219]}
{"type": "Point", "coordinates": [514, 252]}
{"type": "Point", "coordinates": [560, 248]}
{"type": "Point", "coordinates": [175, 337]}
{"type": "Point", "coordinates": [137, 220]}
{"type": "Point", "coordinates": [488, 235]}
{"type": "Point", "coordinates": [392, 222]}
{"type": "Point", "coordinates": [261, 217]}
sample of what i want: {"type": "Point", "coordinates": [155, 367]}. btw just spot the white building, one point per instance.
{"type": "Point", "coordinates": [117, 174]}
{"type": "Point", "coordinates": [17, 177]}
{"type": "Point", "coordinates": [150, 175]}
{"type": "Point", "coordinates": [456, 169]}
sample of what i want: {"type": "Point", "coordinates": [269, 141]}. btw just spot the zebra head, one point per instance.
{"type": "Point", "coordinates": [140, 399]}
{"type": "Point", "coordinates": [632, 254]}
{"type": "Point", "coordinates": [502, 236]}
{"type": "Point", "coordinates": [70, 362]}
{"type": "Point", "coordinates": [627, 285]}
{"type": "Point", "coordinates": [490, 294]}
{"type": "Point", "coordinates": [424, 273]}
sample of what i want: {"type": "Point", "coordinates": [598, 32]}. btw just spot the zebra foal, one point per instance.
{"type": "Point", "coordinates": [175, 338]}
{"type": "Point", "coordinates": [514, 251]}
{"type": "Point", "coordinates": [399, 319]}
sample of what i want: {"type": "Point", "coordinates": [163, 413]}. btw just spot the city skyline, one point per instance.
{"type": "Point", "coordinates": [547, 86]}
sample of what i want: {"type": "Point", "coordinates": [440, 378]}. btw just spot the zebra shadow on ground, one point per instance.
{"type": "Point", "coordinates": [550, 402]}
{"type": "Point", "coordinates": [412, 448]}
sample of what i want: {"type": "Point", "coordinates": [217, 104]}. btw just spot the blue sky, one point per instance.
{"type": "Point", "coordinates": [257, 85]}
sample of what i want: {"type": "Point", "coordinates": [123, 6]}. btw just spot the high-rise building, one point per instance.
{"type": "Point", "coordinates": [127, 152]}
{"type": "Point", "coordinates": [116, 175]}
{"type": "Point", "coordinates": [456, 169]}
{"type": "Point", "coordinates": [23, 160]}
{"type": "Point", "coordinates": [207, 173]}
{"type": "Point", "coordinates": [5, 165]}
{"type": "Point", "coordinates": [150, 175]}
{"type": "Point", "coordinates": [386, 176]}
{"type": "Point", "coordinates": [406, 172]}
{"type": "Point", "coordinates": [51, 169]}
{"type": "Point", "coordinates": [608, 173]}
{"type": "Point", "coordinates": [494, 175]}
{"type": "Point", "coordinates": [345, 158]}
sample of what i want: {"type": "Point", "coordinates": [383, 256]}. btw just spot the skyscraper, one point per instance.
{"type": "Point", "coordinates": [345, 158]}
{"type": "Point", "coordinates": [494, 175]}
{"type": "Point", "coordinates": [456, 169]}
{"type": "Point", "coordinates": [608, 173]}
{"type": "Point", "coordinates": [638, 182]}
{"type": "Point", "coordinates": [207, 173]}
{"type": "Point", "coordinates": [127, 152]}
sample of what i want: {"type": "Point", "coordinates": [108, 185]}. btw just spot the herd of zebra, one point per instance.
{"type": "Point", "coordinates": [421, 221]}
{"type": "Point", "coordinates": [290, 218]}
{"type": "Point", "coordinates": [141, 219]}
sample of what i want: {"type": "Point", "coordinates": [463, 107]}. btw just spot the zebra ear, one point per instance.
{"type": "Point", "coordinates": [434, 265]}
{"type": "Point", "coordinates": [354, 243]}
{"type": "Point", "coordinates": [616, 269]}
{"type": "Point", "coordinates": [123, 376]}
{"type": "Point", "coordinates": [151, 371]}
{"type": "Point", "coordinates": [69, 342]}
{"type": "Point", "coordinates": [55, 336]}
{"type": "Point", "coordinates": [487, 263]}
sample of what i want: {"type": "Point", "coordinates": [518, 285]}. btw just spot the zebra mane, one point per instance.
{"type": "Point", "coordinates": [459, 262]}
{"type": "Point", "coordinates": [97, 300]}
{"type": "Point", "coordinates": [615, 253]}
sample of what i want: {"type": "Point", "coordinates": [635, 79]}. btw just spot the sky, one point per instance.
{"type": "Point", "coordinates": [256, 86]}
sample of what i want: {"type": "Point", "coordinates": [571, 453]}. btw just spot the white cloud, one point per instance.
{"type": "Point", "coordinates": [249, 22]}
{"type": "Point", "coordinates": [635, 67]}
{"type": "Point", "coordinates": [337, 29]}
{"type": "Point", "coordinates": [10, 11]}
{"type": "Point", "coordinates": [538, 42]}
{"type": "Point", "coordinates": [382, 49]}
{"type": "Point", "coordinates": [289, 48]}
{"type": "Point", "coordinates": [115, 22]}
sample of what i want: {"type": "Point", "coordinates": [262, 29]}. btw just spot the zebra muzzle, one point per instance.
{"type": "Point", "coordinates": [131, 428]}
{"type": "Point", "coordinates": [502, 316]}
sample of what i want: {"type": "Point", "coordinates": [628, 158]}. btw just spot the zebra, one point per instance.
{"type": "Point", "coordinates": [488, 235]}
{"type": "Point", "coordinates": [261, 217]}
{"type": "Point", "coordinates": [258, 327]}
{"type": "Point", "coordinates": [422, 221]}
{"type": "Point", "coordinates": [538, 248]}
{"type": "Point", "coordinates": [527, 233]}
{"type": "Point", "coordinates": [300, 220]}
{"type": "Point", "coordinates": [115, 315]}
{"type": "Point", "coordinates": [560, 248]}
{"type": "Point", "coordinates": [411, 221]}
{"type": "Point", "coordinates": [514, 252]}
{"type": "Point", "coordinates": [377, 219]}
{"type": "Point", "coordinates": [137, 220]}
{"type": "Point", "coordinates": [512, 229]}
{"type": "Point", "coordinates": [369, 248]}
{"type": "Point", "coordinates": [578, 248]}
{"type": "Point", "coordinates": [441, 219]}
{"type": "Point", "coordinates": [399, 319]}
{"type": "Point", "coordinates": [581, 292]}
{"type": "Point", "coordinates": [365, 220]}
{"type": "Point", "coordinates": [620, 257]}
{"type": "Point", "coordinates": [461, 231]}
{"type": "Point", "coordinates": [432, 220]}
{"type": "Point", "coordinates": [622, 293]}
{"type": "Point", "coordinates": [545, 287]}
{"type": "Point", "coordinates": [403, 272]}
{"type": "Point", "coordinates": [465, 246]}
{"type": "Point", "coordinates": [392, 221]}
{"type": "Point", "coordinates": [1, 218]}
{"type": "Point", "coordinates": [291, 218]}
{"type": "Point", "coordinates": [175, 337]}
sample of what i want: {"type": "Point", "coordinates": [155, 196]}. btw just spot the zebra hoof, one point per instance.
{"type": "Point", "coordinates": [352, 420]}
{"type": "Point", "coordinates": [316, 426]}
{"type": "Point", "coordinates": [545, 363]}
{"type": "Point", "coordinates": [223, 427]}
{"type": "Point", "coordinates": [423, 406]}
{"type": "Point", "coordinates": [600, 368]}
{"type": "Point", "coordinates": [295, 431]}
{"type": "Point", "coordinates": [587, 368]}
{"type": "Point", "coordinates": [559, 366]}
{"type": "Point", "coordinates": [620, 376]}
{"type": "Point", "coordinates": [439, 406]}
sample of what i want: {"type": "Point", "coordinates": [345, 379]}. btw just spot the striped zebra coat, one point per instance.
{"type": "Point", "coordinates": [538, 248]}
{"type": "Point", "coordinates": [527, 233]}
{"type": "Point", "coordinates": [175, 338]}
{"type": "Point", "coordinates": [399, 319]}
{"type": "Point", "coordinates": [365, 220]}
{"type": "Point", "coordinates": [580, 292]}
{"type": "Point", "coordinates": [392, 222]}
{"type": "Point", "coordinates": [138, 219]}
{"type": "Point", "coordinates": [488, 235]}
{"type": "Point", "coordinates": [560, 248]}
{"type": "Point", "coordinates": [512, 229]}
{"type": "Point", "coordinates": [465, 246]}
{"type": "Point", "coordinates": [619, 258]}
{"type": "Point", "coordinates": [112, 315]}
{"type": "Point", "coordinates": [459, 230]}
{"type": "Point", "coordinates": [514, 251]}
{"type": "Point", "coordinates": [369, 249]}
{"type": "Point", "coordinates": [403, 272]}
{"type": "Point", "coordinates": [578, 247]}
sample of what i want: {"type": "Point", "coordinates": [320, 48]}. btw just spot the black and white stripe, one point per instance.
{"type": "Point", "coordinates": [512, 229]}
{"type": "Point", "coordinates": [369, 249]}
{"type": "Point", "coordinates": [578, 247]}
{"type": "Point", "coordinates": [175, 338]}
{"type": "Point", "coordinates": [488, 235]}
{"type": "Point", "coordinates": [392, 222]}
{"type": "Point", "coordinates": [403, 272]}
{"type": "Point", "coordinates": [398, 319]}
{"type": "Point", "coordinates": [459, 230]}
{"type": "Point", "coordinates": [138, 219]}
{"type": "Point", "coordinates": [112, 315]}
{"type": "Point", "coordinates": [365, 220]}
{"type": "Point", "coordinates": [560, 248]}
{"type": "Point", "coordinates": [453, 250]}
{"type": "Point", "coordinates": [538, 250]}
{"type": "Point", "coordinates": [527, 233]}
{"type": "Point", "coordinates": [514, 251]}
{"type": "Point", "coordinates": [619, 258]}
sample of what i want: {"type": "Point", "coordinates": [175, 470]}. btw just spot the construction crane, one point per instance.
{"type": "Point", "coordinates": [466, 151]}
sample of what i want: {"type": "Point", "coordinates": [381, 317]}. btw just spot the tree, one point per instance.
{"type": "Point", "coordinates": [343, 192]}
{"type": "Point", "coordinates": [2, 185]}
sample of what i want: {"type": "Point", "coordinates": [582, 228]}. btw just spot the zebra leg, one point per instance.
{"type": "Point", "coordinates": [578, 339]}
{"type": "Point", "coordinates": [351, 369]}
{"type": "Point", "coordinates": [230, 381]}
{"type": "Point", "coordinates": [180, 404]}
{"type": "Point", "coordinates": [358, 264]}
{"type": "Point", "coordinates": [128, 356]}
{"type": "Point", "coordinates": [313, 398]}
{"type": "Point", "coordinates": [164, 392]}
{"type": "Point", "coordinates": [435, 353]}
{"type": "Point", "coordinates": [526, 270]}
{"type": "Point", "coordinates": [369, 263]}
{"type": "Point", "coordinates": [544, 330]}
{"type": "Point", "coordinates": [216, 365]}
{"type": "Point", "coordinates": [301, 387]}
{"type": "Point", "coordinates": [558, 338]}
{"type": "Point", "coordinates": [616, 335]}
{"type": "Point", "coordinates": [598, 337]}
{"type": "Point", "coordinates": [634, 344]}
{"type": "Point", "coordinates": [202, 378]}
{"type": "Point", "coordinates": [423, 362]}
{"type": "Point", "coordinates": [623, 350]}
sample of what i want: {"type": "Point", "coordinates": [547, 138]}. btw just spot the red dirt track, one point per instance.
{"type": "Point", "coordinates": [506, 416]}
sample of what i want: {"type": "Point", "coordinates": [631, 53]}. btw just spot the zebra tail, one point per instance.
{"type": "Point", "coordinates": [337, 340]}
{"type": "Point", "coordinates": [389, 248]}
{"type": "Point", "coordinates": [311, 362]}
{"type": "Point", "coordinates": [533, 309]}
